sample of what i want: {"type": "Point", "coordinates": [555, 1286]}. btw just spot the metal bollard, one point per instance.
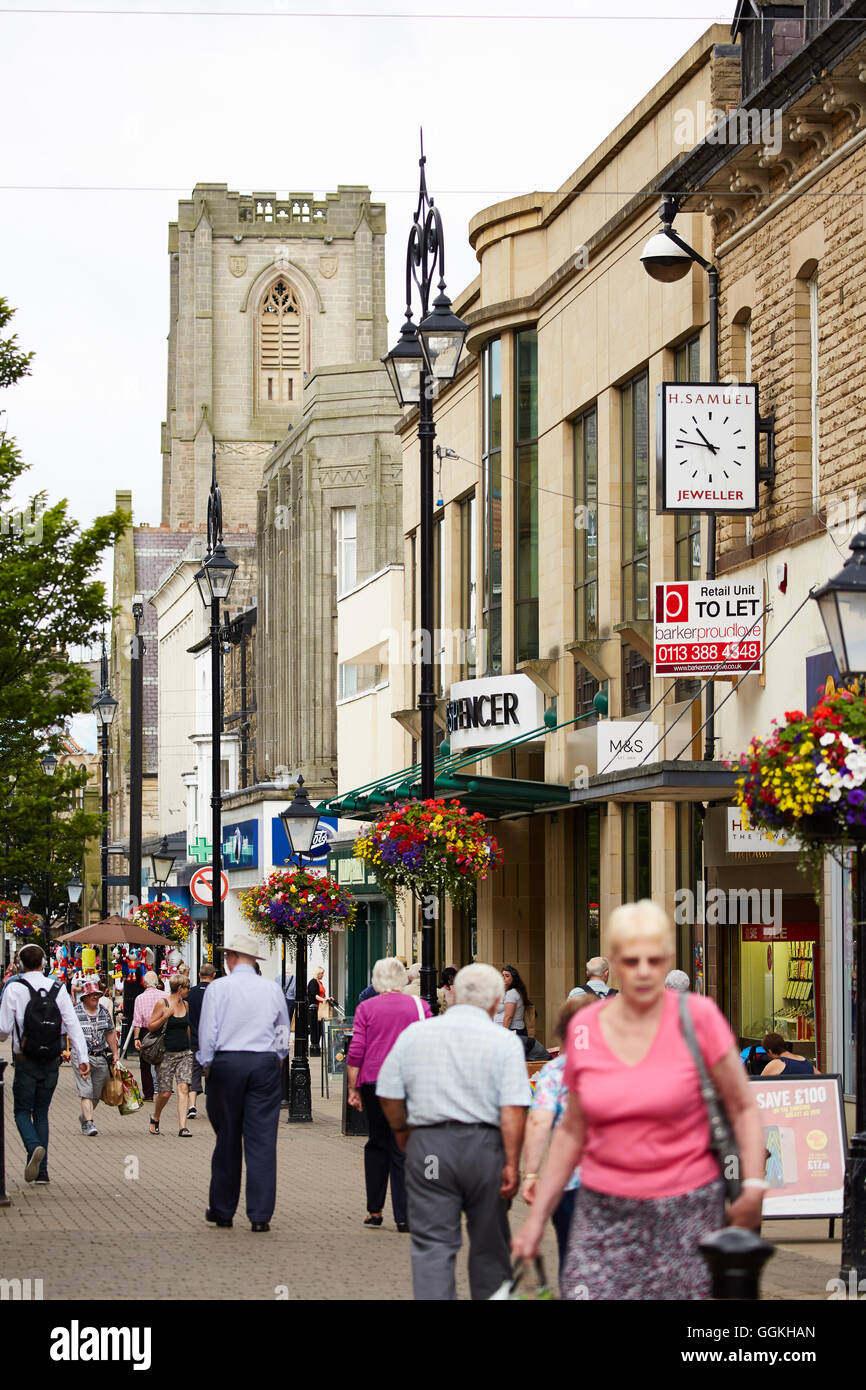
{"type": "Point", "coordinates": [5, 1200]}
{"type": "Point", "coordinates": [735, 1258]}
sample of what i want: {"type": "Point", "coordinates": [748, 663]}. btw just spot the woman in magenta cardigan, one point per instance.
{"type": "Point", "coordinates": [377, 1026]}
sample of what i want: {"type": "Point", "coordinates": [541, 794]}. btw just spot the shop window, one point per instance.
{"type": "Point", "coordinates": [586, 526]}
{"type": "Point", "coordinates": [636, 676]}
{"type": "Point", "coordinates": [689, 877]}
{"type": "Point", "coordinates": [778, 985]}
{"type": "Point", "coordinates": [636, 851]}
{"type": "Point", "coordinates": [491, 409]}
{"type": "Point", "coordinates": [526, 496]}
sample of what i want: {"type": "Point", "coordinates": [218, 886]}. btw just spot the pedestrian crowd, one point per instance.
{"type": "Point", "coordinates": [610, 1139]}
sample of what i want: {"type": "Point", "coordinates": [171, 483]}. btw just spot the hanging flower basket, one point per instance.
{"type": "Point", "coordinates": [170, 920]}
{"type": "Point", "coordinates": [295, 902]}
{"type": "Point", "coordinates": [808, 778]}
{"type": "Point", "coordinates": [430, 847]}
{"type": "Point", "coordinates": [25, 925]}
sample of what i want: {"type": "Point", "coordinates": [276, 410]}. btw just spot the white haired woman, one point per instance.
{"type": "Point", "coordinates": [637, 1124]}
{"type": "Point", "coordinates": [377, 1026]}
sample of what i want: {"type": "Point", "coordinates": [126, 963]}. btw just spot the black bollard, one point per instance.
{"type": "Point", "coordinates": [5, 1200]}
{"type": "Point", "coordinates": [735, 1258]}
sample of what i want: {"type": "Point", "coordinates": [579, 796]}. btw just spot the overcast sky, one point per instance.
{"type": "Point", "coordinates": [109, 118]}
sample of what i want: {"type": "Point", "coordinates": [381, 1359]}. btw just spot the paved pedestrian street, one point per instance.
{"type": "Point", "coordinates": [120, 1203]}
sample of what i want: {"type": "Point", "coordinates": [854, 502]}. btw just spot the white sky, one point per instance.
{"type": "Point", "coordinates": [109, 118]}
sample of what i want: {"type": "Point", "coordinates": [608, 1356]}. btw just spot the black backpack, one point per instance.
{"type": "Point", "coordinates": [42, 1033]}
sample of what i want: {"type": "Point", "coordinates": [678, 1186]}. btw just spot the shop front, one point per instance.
{"type": "Point", "coordinates": [373, 935]}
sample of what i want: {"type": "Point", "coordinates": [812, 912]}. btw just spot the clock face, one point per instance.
{"type": "Point", "coordinates": [707, 447]}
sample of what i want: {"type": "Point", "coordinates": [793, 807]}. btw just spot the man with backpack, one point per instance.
{"type": "Point", "coordinates": [36, 1012]}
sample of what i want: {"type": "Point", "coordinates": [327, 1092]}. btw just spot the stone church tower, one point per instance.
{"type": "Point", "coordinates": [263, 292]}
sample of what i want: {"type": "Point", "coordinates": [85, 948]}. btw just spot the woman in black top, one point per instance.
{"type": "Point", "coordinates": [782, 1062]}
{"type": "Point", "coordinates": [175, 1069]}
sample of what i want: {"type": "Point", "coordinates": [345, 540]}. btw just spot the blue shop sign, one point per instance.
{"type": "Point", "coordinates": [157, 894]}
{"type": "Point", "coordinates": [240, 842]}
{"type": "Point", "coordinates": [326, 832]}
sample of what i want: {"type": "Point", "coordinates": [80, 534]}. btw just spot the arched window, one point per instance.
{"type": "Point", "coordinates": [280, 371]}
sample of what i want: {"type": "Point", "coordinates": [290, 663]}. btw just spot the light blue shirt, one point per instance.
{"type": "Point", "coordinates": [242, 1013]}
{"type": "Point", "coordinates": [460, 1066]}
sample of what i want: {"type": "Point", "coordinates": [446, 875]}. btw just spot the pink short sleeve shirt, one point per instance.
{"type": "Point", "coordinates": [647, 1133]}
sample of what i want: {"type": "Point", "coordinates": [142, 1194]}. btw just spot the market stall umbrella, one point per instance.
{"type": "Point", "coordinates": [112, 931]}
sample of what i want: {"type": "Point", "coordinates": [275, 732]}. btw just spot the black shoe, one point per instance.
{"type": "Point", "coordinates": [224, 1221]}
{"type": "Point", "coordinates": [260, 1225]}
{"type": "Point", "coordinates": [42, 1180]}
{"type": "Point", "coordinates": [403, 1227]}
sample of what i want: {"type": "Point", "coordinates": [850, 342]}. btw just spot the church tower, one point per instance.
{"type": "Point", "coordinates": [263, 292]}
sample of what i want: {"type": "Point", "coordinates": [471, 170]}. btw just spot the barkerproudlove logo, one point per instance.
{"type": "Point", "coordinates": [77, 1343]}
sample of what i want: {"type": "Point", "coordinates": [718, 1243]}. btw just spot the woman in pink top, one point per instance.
{"type": "Point", "coordinates": [377, 1026]}
{"type": "Point", "coordinates": [637, 1125]}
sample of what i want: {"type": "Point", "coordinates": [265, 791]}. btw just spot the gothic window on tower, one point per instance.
{"type": "Point", "coordinates": [279, 346]}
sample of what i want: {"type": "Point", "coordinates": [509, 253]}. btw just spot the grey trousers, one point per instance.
{"type": "Point", "coordinates": [451, 1169]}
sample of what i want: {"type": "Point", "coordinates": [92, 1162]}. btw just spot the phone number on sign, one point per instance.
{"type": "Point", "coordinates": [692, 653]}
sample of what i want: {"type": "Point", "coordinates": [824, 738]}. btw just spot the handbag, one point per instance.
{"type": "Point", "coordinates": [112, 1091]}
{"type": "Point", "coordinates": [152, 1048]}
{"type": "Point", "coordinates": [132, 1099]}
{"type": "Point", "coordinates": [722, 1141]}
{"type": "Point", "coordinates": [324, 1010]}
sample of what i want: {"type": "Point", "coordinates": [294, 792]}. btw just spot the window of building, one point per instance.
{"type": "Point", "coordinates": [636, 851]}
{"type": "Point", "coordinates": [586, 687]}
{"type": "Point", "coordinates": [280, 329]}
{"type": "Point", "coordinates": [468, 588]}
{"type": "Point", "coordinates": [357, 679]}
{"type": "Point", "coordinates": [635, 499]}
{"type": "Point", "coordinates": [526, 496]}
{"type": "Point", "coordinates": [491, 379]}
{"type": "Point", "coordinates": [225, 775]}
{"type": "Point", "coordinates": [814, 420]}
{"type": "Point", "coordinates": [346, 519]}
{"type": "Point", "coordinates": [586, 526]}
{"type": "Point", "coordinates": [636, 675]}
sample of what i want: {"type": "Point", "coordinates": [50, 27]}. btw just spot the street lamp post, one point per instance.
{"type": "Point", "coordinates": [214, 581]}
{"type": "Point", "coordinates": [105, 709]}
{"type": "Point", "coordinates": [300, 820]}
{"type": "Point", "coordinates": [49, 767]}
{"type": "Point", "coordinates": [136, 752]}
{"type": "Point", "coordinates": [423, 357]}
{"type": "Point", "coordinates": [842, 605]}
{"type": "Point", "coordinates": [73, 892]}
{"type": "Point", "coordinates": [667, 258]}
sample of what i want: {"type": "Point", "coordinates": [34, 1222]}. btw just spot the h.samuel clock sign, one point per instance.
{"type": "Point", "coordinates": [707, 447]}
{"type": "Point", "coordinates": [494, 709]}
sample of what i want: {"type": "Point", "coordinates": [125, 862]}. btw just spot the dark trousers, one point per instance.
{"type": "Point", "coordinates": [451, 1169]}
{"type": "Point", "coordinates": [32, 1088]}
{"type": "Point", "coordinates": [146, 1079]}
{"type": "Point", "coordinates": [561, 1219]}
{"type": "Point", "coordinates": [382, 1158]}
{"type": "Point", "coordinates": [243, 1105]}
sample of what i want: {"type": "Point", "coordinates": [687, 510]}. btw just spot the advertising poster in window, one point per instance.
{"type": "Point", "coordinates": [804, 1132]}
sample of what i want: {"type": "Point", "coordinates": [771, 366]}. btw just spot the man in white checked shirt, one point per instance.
{"type": "Point", "coordinates": [455, 1091]}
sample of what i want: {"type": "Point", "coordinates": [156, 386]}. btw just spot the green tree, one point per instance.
{"type": "Point", "coordinates": [51, 603]}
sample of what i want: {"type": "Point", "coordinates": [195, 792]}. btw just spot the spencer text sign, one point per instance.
{"type": "Point", "coordinates": [709, 627]}
{"type": "Point", "coordinates": [494, 709]}
{"type": "Point", "coordinates": [707, 447]}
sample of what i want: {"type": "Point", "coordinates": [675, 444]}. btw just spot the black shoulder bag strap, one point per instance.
{"type": "Point", "coordinates": [722, 1141]}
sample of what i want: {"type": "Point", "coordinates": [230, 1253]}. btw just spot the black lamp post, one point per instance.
{"type": "Point", "coordinates": [842, 605]}
{"type": "Point", "coordinates": [422, 358]}
{"type": "Point", "coordinates": [301, 820]}
{"type": "Point", "coordinates": [105, 709]}
{"type": "Point", "coordinates": [214, 581]}
{"type": "Point", "coordinates": [136, 751]}
{"type": "Point", "coordinates": [667, 258]}
{"type": "Point", "coordinates": [49, 767]}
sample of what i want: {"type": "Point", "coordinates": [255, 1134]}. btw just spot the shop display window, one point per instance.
{"type": "Point", "coordinates": [779, 985]}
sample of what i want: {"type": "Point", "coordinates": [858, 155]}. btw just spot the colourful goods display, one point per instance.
{"type": "Point", "coordinates": [295, 901]}
{"type": "Point", "coordinates": [167, 918]}
{"type": "Point", "coordinates": [430, 847]}
{"type": "Point", "coordinates": [25, 925]}
{"type": "Point", "coordinates": [808, 777]}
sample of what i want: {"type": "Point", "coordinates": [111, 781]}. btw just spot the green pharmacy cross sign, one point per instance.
{"type": "Point", "coordinates": [200, 850]}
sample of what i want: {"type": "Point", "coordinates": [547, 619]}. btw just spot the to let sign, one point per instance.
{"type": "Point", "coordinates": [709, 627]}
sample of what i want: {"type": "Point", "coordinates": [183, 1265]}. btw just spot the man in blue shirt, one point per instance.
{"type": "Point", "coordinates": [243, 1035]}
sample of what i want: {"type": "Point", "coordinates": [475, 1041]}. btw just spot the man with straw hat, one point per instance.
{"type": "Point", "coordinates": [243, 1035]}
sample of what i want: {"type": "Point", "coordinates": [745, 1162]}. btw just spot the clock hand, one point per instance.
{"type": "Point", "coordinates": [696, 443]}
{"type": "Point", "coordinates": [707, 442]}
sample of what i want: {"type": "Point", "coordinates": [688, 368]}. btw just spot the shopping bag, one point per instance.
{"type": "Point", "coordinates": [132, 1097]}
{"type": "Point", "coordinates": [508, 1290]}
{"type": "Point", "coordinates": [112, 1091]}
